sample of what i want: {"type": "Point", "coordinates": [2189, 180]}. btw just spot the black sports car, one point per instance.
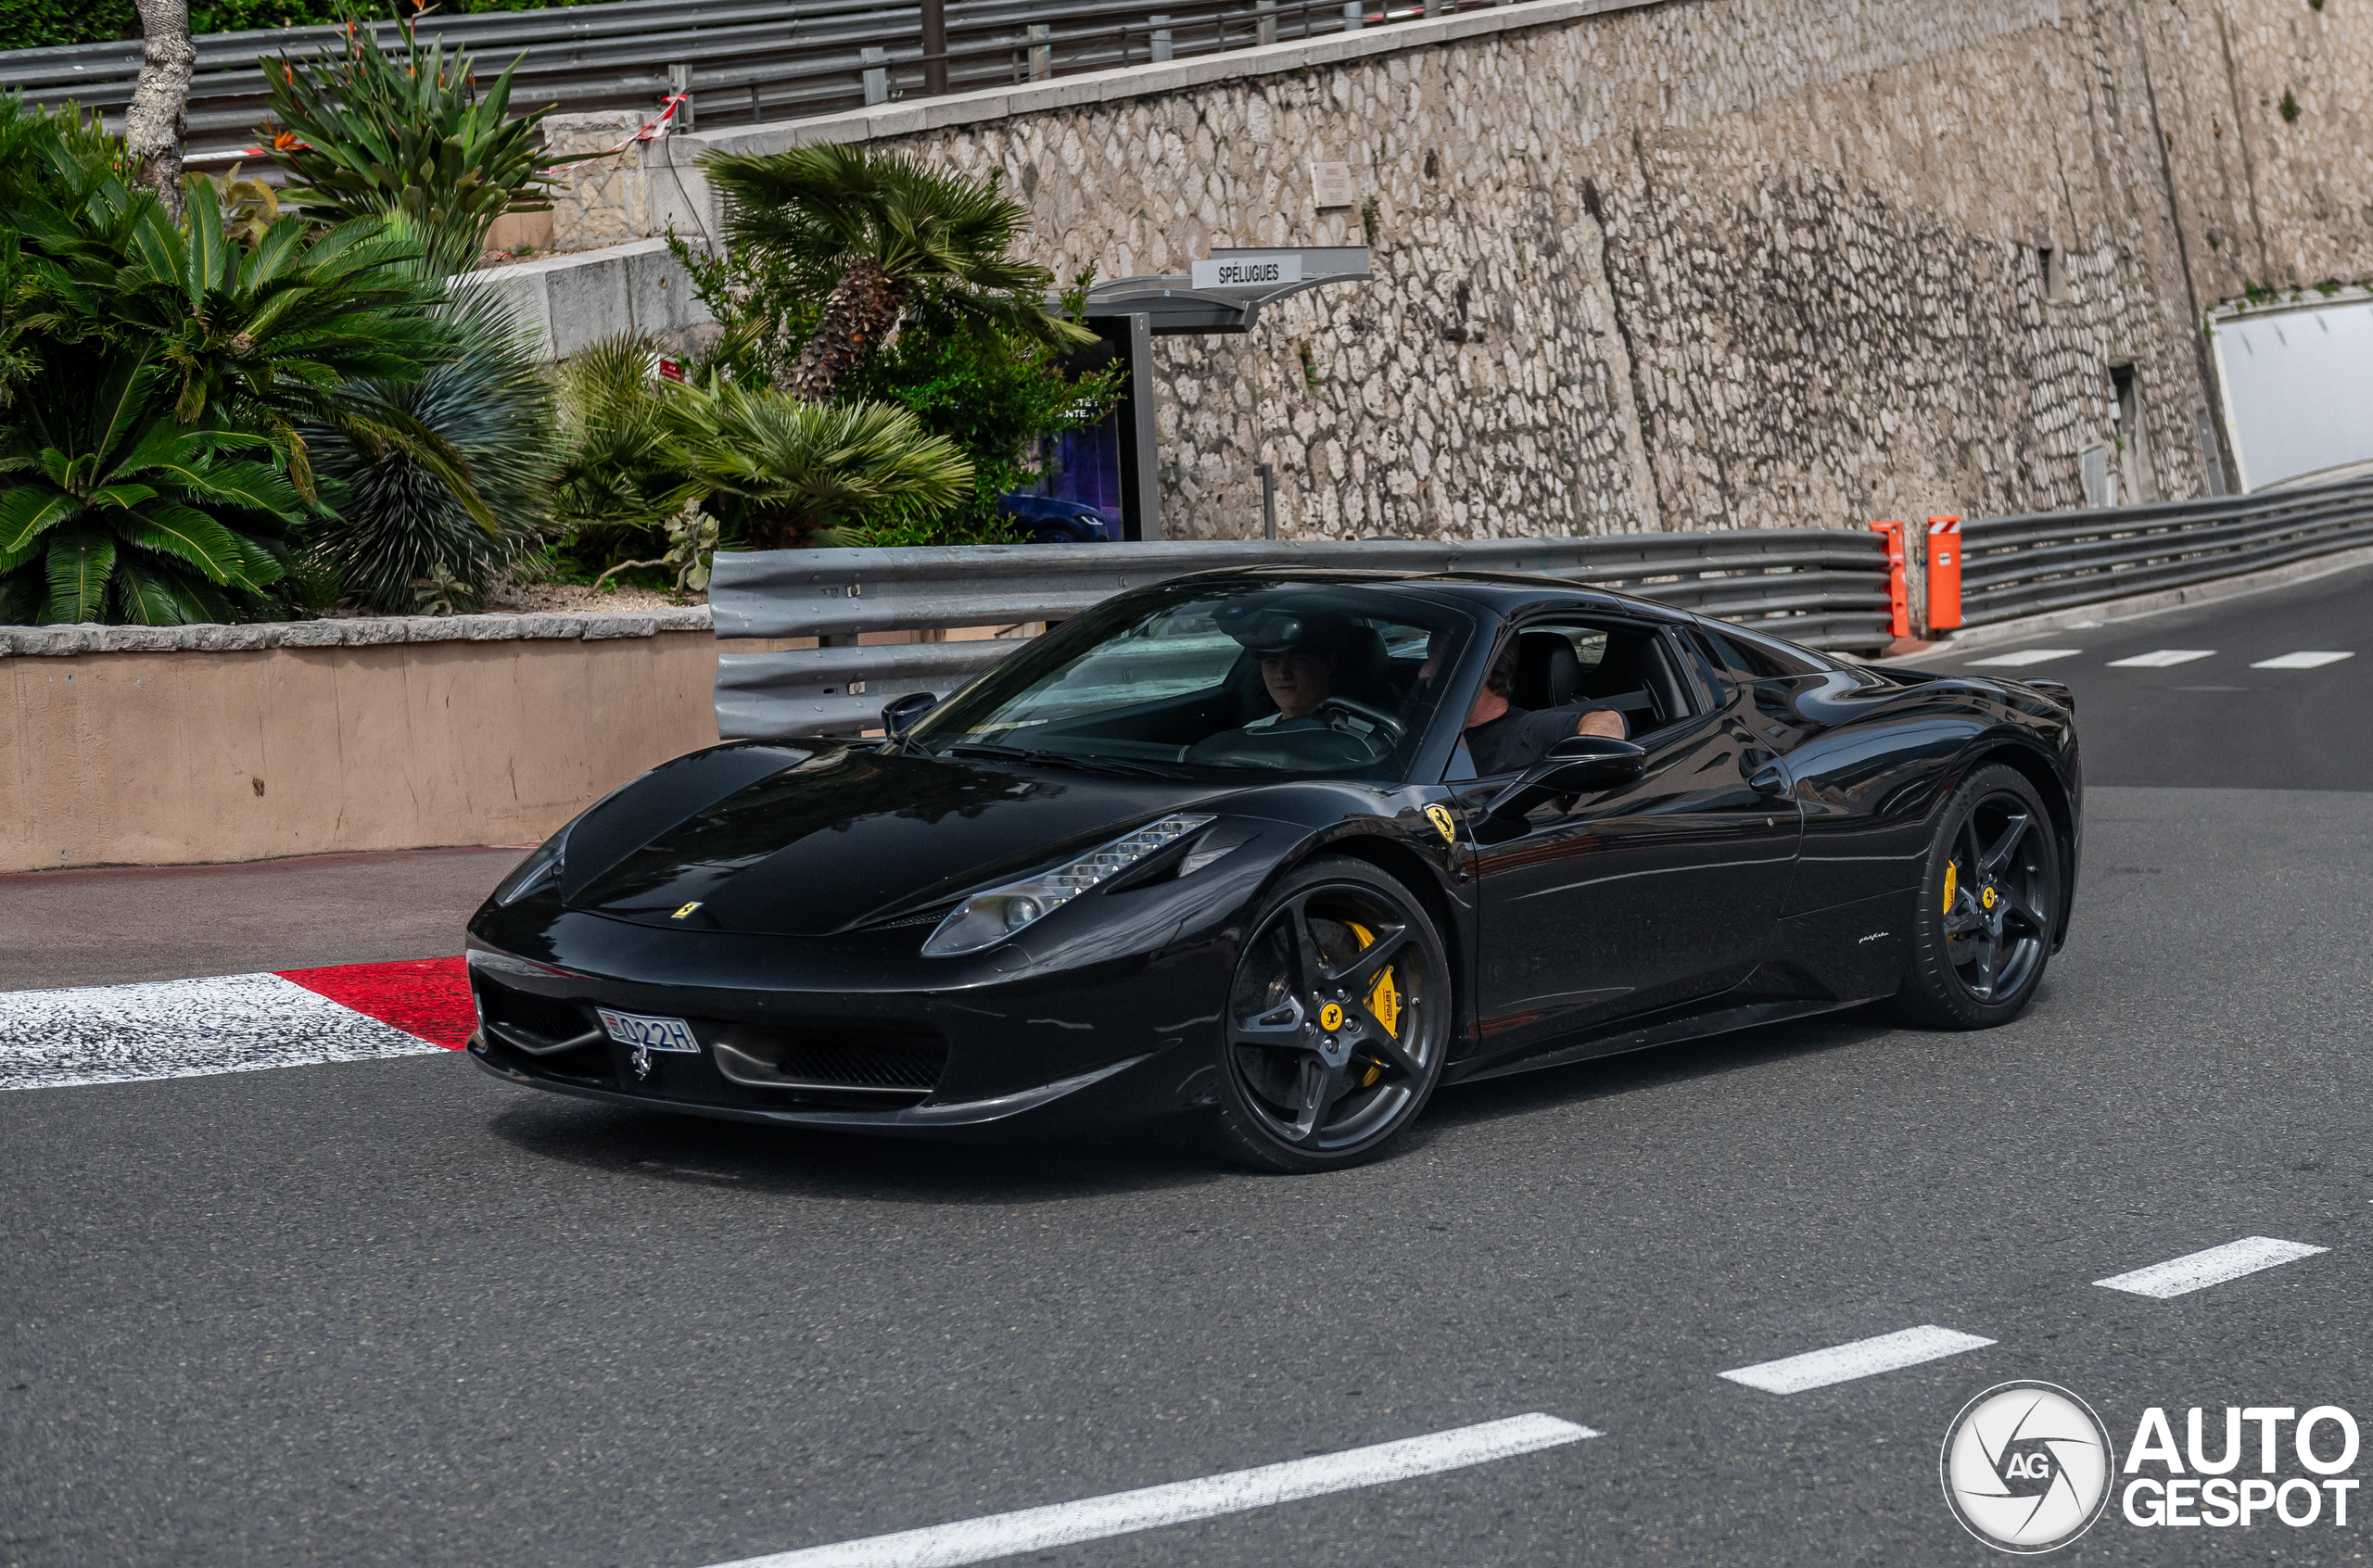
{"type": "Point", "coordinates": [1279, 852]}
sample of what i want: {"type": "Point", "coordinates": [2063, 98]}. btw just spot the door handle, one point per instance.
{"type": "Point", "coordinates": [1769, 780]}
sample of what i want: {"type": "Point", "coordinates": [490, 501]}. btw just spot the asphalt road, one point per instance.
{"type": "Point", "coordinates": [399, 1312]}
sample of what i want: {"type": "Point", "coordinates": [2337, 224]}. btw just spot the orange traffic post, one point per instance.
{"type": "Point", "coordinates": [1898, 594]}
{"type": "Point", "coordinates": [1944, 573]}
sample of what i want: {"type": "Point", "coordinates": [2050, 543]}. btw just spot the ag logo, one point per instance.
{"type": "Point", "coordinates": [1444, 824]}
{"type": "Point", "coordinates": [2026, 1467]}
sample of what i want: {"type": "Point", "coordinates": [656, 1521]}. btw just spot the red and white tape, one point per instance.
{"type": "Point", "coordinates": [233, 1023]}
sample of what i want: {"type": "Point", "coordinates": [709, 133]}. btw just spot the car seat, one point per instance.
{"type": "Point", "coordinates": [1547, 674]}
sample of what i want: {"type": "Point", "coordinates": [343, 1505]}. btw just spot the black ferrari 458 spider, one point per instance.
{"type": "Point", "coordinates": [1278, 852]}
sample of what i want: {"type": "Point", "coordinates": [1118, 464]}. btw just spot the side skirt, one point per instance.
{"type": "Point", "coordinates": [1698, 1026]}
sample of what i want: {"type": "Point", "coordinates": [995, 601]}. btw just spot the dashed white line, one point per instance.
{"type": "Point", "coordinates": [2030, 656]}
{"type": "Point", "coordinates": [2198, 1270]}
{"type": "Point", "coordinates": [2300, 661]}
{"type": "Point", "coordinates": [2159, 659]}
{"type": "Point", "coordinates": [182, 1029]}
{"type": "Point", "coordinates": [1863, 1357]}
{"type": "Point", "coordinates": [1151, 1507]}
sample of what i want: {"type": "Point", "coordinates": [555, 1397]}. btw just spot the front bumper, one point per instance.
{"type": "Point", "coordinates": [798, 1032]}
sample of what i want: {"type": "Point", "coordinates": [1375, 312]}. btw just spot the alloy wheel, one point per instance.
{"type": "Point", "coordinates": [1336, 1019]}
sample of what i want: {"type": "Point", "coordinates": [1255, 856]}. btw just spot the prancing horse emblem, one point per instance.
{"type": "Point", "coordinates": [641, 1063]}
{"type": "Point", "coordinates": [1443, 823]}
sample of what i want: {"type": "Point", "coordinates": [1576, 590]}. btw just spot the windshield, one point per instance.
{"type": "Point", "coordinates": [1202, 680]}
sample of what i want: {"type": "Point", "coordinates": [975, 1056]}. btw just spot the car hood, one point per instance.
{"type": "Point", "coordinates": [840, 836]}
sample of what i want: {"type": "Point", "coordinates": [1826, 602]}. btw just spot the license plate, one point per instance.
{"type": "Point", "coordinates": [649, 1033]}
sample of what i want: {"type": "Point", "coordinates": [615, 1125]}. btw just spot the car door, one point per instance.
{"type": "Point", "coordinates": [1644, 897]}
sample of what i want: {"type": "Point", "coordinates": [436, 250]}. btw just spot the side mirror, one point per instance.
{"type": "Point", "coordinates": [899, 715]}
{"type": "Point", "coordinates": [1577, 764]}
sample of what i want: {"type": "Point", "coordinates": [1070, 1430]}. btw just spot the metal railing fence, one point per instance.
{"type": "Point", "coordinates": [1822, 588]}
{"type": "Point", "coordinates": [743, 61]}
{"type": "Point", "coordinates": [2025, 565]}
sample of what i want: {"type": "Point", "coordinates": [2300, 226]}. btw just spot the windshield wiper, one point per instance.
{"type": "Point", "coordinates": [1057, 759]}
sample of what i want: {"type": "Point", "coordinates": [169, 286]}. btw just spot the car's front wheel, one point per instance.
{"type": "Point", "coordinates": [1338, 1021]}
{"type": "Point", "coordinates": [1981, 934]}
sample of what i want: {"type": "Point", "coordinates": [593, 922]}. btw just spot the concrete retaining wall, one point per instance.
{"type": "Point", "coordinates": [172, 745]}
{"type": "Point", "coordinates": [1724, 263]}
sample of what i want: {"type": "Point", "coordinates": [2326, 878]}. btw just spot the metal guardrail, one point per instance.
{"type": "Point", "coordinates": [743, 61]}
{"type": "Point", "coordinates": [1823, 588]}
{"type": "Point", "coordinates": [2025, 565]}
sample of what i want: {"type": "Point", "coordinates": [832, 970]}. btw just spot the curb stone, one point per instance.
{"type": "Point", "coordinates": [359, 632]}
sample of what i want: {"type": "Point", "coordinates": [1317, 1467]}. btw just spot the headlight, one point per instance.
{"type": "Point", "coordinates": [987, 919]}
{"type": "Point", "coordinates": [535, 871]}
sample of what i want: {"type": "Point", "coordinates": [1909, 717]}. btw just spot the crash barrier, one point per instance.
{"type": "Point", "coordinates": [738, 61]}
{"type": "Point", "coordinates": [2025, 565]}
{"type": "Point", "coordinates": [1823, 588]}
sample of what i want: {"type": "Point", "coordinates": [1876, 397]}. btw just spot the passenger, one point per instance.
{"type": "Point", "coordinates": [1503, 738]}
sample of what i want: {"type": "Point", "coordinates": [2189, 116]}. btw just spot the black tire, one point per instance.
{"type": "Point", "coordinates": [1981, 934]}
{"type": "Point", "coordinates": [1338, 944]}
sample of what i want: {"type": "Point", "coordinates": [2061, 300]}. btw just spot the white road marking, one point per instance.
{"type": "Point", "coordinates": [2030, 656]}
{"type": "Point", "coordinates": [182, 1029]}
{"type": "Point", "coordinates": [2300, 661]}
{"type": "Point", "coordinates": [2160, 658]}
{"type": "Point", "coordinates": [1863, 1357]}
{"type": "Point", "coordinates": [1122, 1514]}
{"type": "Point", "coordinates": [2198, 1270]}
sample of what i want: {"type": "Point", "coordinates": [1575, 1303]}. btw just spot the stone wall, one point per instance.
{"type": "Point", "coordinates": [1702, 263]}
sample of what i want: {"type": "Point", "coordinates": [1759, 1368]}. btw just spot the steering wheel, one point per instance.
{"type": "Point", "coordinates": [1394, 728]}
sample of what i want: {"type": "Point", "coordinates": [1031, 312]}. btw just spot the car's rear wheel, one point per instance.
{"type": "Point", "coordinates": [1981, 934]}
{"type": "Point", "coordinates": [1338, 1021]}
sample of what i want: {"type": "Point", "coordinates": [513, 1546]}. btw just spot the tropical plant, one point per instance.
{"type": "Point", "coordinates": [243, 352]}
{"type": "Point", "coordinates": [991, 388]}
{"type": "Point", "coordinates": [373, 129]}
{"type": "Point", "coordinates": [781, 473]}
{"type": "Point", "coordinates": [249, 206]}
{"type": "Point", "coordinates": [883, 225]}
{"type": "Point", "coordinates": [399, 523]}
{"type": "Point", "coordinates": [615, 479]}
{"type": "Point", "coordinates": [692, 539]}
{"type": "Point", "coordinates": [112, 507]}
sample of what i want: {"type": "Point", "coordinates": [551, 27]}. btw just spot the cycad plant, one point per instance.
{"type": "Point", "coordinates": [884, 227]}
{"type": "Point", "coordinates": [116, 510]}
{"type": "Point", "coordinates": [371, 130]}
{"type": "Point", "coordinates": [227, 366]}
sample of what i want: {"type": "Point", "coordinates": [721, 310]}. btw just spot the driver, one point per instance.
{"type": "Point", "coordinates": [1299, 657]}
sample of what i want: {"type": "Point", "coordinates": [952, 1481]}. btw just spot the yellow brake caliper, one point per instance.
{"type": "Point", "coordinates": [1952, 884]}
{"type": "Point", "coordinates": [1384, 1001]}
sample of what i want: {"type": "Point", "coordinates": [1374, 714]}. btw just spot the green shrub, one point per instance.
{"type": "Point", "coordinates": [112, 508]}
{"type": "Point", "coordinates": [990, 388]}
{"type": "Point", "coordinates": [775, 470]}
{"type": "Point", "coordinates": [155, 376]}
{"type": "Point", "coordinates": [32, 24]}
{"type": "Point", "coordinates": [781, 473]}
{"type": "Point", "coordinates": [398, 525]}
{"type": "Point", "coordinates": [373, 129]}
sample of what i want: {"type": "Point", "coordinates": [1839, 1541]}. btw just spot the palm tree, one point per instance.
{"type": "Point", "coordinates": [792, 474]}
{"type": "Point", "coordinates": [885, 226]}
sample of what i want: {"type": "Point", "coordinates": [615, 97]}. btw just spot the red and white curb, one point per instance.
{"type": "Point", "coordinates": [232, 1023]}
